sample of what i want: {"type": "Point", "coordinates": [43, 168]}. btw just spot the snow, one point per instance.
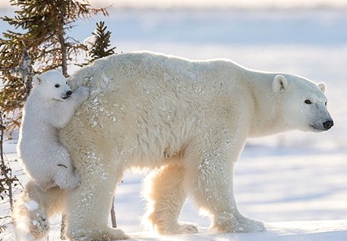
{"type": "Point", "coordinates": [89, 42]}
{"type": "Point", "coordinates": [296, 182]}
{"type": "Point", "coordinates": [284, 231]}
{"type": "Point", "coordinates": [32, 205]}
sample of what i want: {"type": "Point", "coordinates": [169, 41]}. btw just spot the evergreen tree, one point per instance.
{"type": "Point", "coordinates": [39, 40]}
{"type": "Point", "coordinates": [41, 26]}
{"type": "Point", "coordinates": [98, 44]}
{"type": "Point", "coordinates": [102, 42]}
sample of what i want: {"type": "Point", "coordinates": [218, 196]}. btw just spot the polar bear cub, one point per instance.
{"type": "Point", "coordinates": [49, 107]}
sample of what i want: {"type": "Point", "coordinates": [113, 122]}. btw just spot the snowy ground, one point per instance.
{"type": "Point", "coordinates": [294, 231]}
{"type": "Point", "coordinates": [282, 179]}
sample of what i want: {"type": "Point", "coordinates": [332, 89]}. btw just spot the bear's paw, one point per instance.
{"type": "Point", "coordinates": [97, 235]}
{"type": "Point", "coordinates": [179, 228]}
{"type": "Point", "coordinates": [238, 224]}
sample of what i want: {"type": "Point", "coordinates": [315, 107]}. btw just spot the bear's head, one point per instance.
{"type": "Point", "coordinates": [52, 85]}
{"type": "Point", "coordinates": [304, 104]}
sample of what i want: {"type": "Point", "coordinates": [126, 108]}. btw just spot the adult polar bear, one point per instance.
{"type": "Point", "coordinates": [189, 122]}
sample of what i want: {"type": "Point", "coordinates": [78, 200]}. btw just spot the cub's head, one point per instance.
{"type": "Point", "coordinates": [304, 104]}
{"type": "Point", "coordinates": [52, 85]}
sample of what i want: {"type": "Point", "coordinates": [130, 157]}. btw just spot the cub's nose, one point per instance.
{"type": "Point", "coordinates": [328, 124]}
{"type": "Point", "coordinates": [69, 93]}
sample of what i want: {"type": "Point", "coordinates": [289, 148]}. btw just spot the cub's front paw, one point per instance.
{"type": "Point", "coordinates": [73, 182]}
{"type": "Point", "coordinates": [83, 92]}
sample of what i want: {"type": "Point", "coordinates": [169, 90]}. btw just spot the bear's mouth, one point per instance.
{"type": "Point", "coordinates": [65, 97]}
{"type": "Point", "coordinates": [316, 128]}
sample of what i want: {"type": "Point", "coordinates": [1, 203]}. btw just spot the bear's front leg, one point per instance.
{"type": "Point", "coordinates": [209, 177]}
{"type": "Point", "coordinates": [88, 206]}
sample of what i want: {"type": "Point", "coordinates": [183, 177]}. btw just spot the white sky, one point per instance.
{"type": "Point", "coordinates": [211, 3]}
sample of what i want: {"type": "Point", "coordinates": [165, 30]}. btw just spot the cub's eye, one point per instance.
{"type": "Point", "coordinates": [308, 102]}
{"type": "Point", "coordinates": [57, 85]}
{"type": "Point", "coordinates": [326, 103]}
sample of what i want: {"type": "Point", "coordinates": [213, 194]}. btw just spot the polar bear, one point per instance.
{"type": "Point", "coordinates": [49, 107]}
{"type": "Point", "coordinates": [188, 121]}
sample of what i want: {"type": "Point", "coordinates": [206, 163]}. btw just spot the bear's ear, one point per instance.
{"type": "Point", "coordinates": [279, 84]}
{"type": "Point", "coordinates": [322, 87]}
{"type": "Point", "coordinates": [37, 80]}
{"type": "Point", "coordinates": [60, 70]}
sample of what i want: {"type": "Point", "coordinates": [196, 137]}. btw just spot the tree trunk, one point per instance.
{"type": "Point", "coordinates": [3, 166]}
{"type": "Point", "coordinates": [113, 215]}
{"type": "Point", "coordinates": [63, 227]}
{"type": "Point", "coordinates": [61, 35]}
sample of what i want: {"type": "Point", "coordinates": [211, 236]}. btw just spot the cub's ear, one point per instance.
{"type": "Point", "coordinates": [279, 84]}
{"type": "Point", "coordinates": [322, 87]}
{"type": "Point", "coordinates": [37, 80]}
{"type": "Point", "coordinates": [59, 69]}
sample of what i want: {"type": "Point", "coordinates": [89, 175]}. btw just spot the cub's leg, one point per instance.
{"type": "Point", "coordinates": [63, 172]}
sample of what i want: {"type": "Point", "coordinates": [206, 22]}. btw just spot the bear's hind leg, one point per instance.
{"type": "Point", "coordinates": [166, 196]}
{"type": "Point", "coordinates": [33, 209]}
{"type": "Point", "coordinates": [31, 222]}
{"type": "Point", "coordinates": [87, 207]}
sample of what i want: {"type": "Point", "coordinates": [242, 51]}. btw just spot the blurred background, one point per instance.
{"type": "Point", "coordinates": [289, 177]}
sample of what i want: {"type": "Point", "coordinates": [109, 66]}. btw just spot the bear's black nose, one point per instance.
{"type": "Point", "coordinates": [68, 93]}
{"type": "Point", "coordinates": [328, 124]}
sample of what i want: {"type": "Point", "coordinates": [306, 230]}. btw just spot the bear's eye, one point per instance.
{"type": "Point", "coordinates": [308, 102]}
{"type": "Point", "coordinates": [326, 103]}
{"type": "Point", "coordinates": [57, 85]}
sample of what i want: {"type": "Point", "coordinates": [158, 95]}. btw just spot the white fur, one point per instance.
{"type": "Point", "coordinates": [187, 120]}
{"type": "Point", "coordinates": [32, 210]}
{"type": "Point", "coordinates": [47, 109]}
